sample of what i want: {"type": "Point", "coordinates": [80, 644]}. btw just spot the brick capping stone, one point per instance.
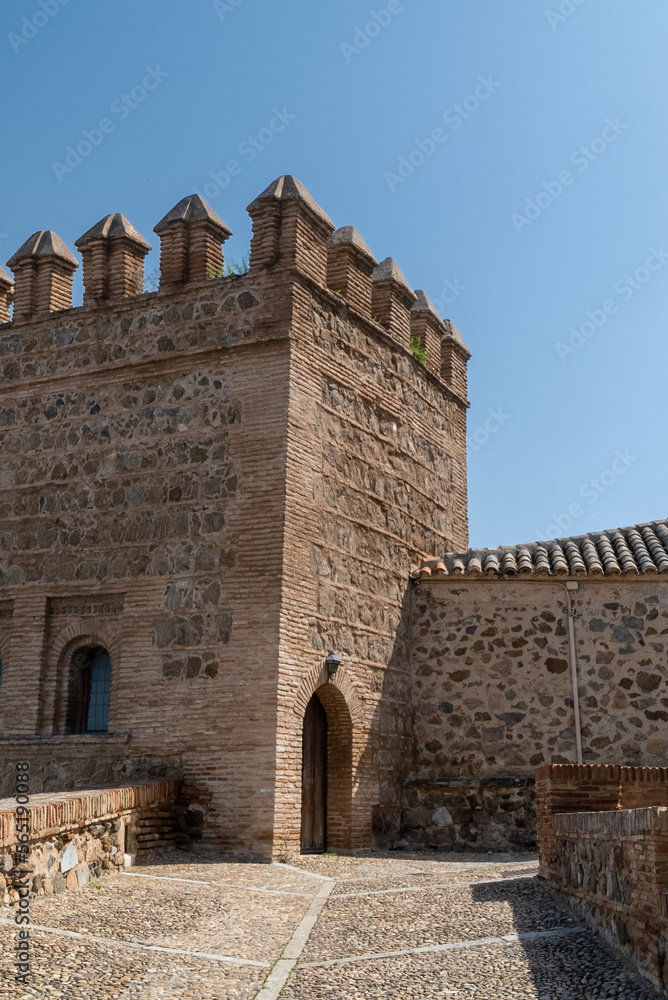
{"type": "Point", "coordinates": [428, 327]}
{"type": "Point", "coordinates": [350, 267]}
{"type": "Point", "coordinates": [290, 227]}
{"type": "Point", "coordinates": [392, 301]}
{"type": "Point", "coordinates": [191, 235]}
{"type": "Point", "coordinates": [113, 259]}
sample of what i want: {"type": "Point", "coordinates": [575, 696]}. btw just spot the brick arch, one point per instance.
{"type": "Point", "coordinates": [63, 653]}
{"type": "Point", "coordinates": [340, 744]}
{"type": "Point", "coordinates": [316, 679]}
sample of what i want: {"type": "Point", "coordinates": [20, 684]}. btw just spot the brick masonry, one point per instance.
{"type": "Point", "coordinates": [218, 483]}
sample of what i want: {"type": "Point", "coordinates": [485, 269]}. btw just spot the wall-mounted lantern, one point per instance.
{"type": "Point", "coordinates": [332, 663]}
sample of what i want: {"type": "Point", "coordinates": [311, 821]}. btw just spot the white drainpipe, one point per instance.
{"type": "Point", "coordinates": [571, 586]}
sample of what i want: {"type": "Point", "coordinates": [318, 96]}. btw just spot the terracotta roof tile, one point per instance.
{"type": "Point", "coordinates": [638, 550]}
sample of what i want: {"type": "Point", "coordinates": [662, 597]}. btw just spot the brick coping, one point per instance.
{"type": "Point", "coordinates": [53, 811]}
{"type": "Point", "coordinates": [614, 823]}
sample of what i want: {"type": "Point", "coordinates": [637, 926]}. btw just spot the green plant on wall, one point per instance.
{"type": "Point", "coordinates": [418, 350]}
{"type": "Point", "coordinates": [230, 266]}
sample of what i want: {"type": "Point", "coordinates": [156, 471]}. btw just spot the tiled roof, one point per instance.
{"type": "Point", "coordinates": [639, 550]}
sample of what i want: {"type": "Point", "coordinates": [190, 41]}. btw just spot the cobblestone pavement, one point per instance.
{"type": "Point", "coordinates": [391, 926]}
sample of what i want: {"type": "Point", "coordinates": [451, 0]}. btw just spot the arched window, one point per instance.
{"type": "Point", "coordinates": [90, 689]}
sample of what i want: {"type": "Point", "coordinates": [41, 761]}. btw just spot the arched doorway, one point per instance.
{"type": "Point", "coordinates": [327, 773]}
{"type": "Point", "coordinates": [314, 778]}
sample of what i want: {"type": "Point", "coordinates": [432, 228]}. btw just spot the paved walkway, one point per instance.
{"type": "Point", "coordinates": [394, 927]}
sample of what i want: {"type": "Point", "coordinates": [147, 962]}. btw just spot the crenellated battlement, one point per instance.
{"type": "Point", "coordinates": [292, 236]}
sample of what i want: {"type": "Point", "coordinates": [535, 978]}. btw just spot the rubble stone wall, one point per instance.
{"type": "Point", "coordinates": [492, 686]}
{"type": "Point", "coordinates": [492, 676]}
{"type": "Point", "coordinates": [464, 814]}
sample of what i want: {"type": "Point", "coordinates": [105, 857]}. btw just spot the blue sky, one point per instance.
{"type": "Point", "coordinates": [541, 213]}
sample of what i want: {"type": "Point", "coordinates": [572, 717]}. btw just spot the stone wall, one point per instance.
{"type": "Point", "coordinates": [458, 814]}
{"type": "Point", "coordinates": [612, 864]}
{"type": "Point", "coordinates": [75, 837]}
{"type": "Point", "coordinates": [492, 680]}
{"type": "Point", "coordinates": [492, 675]}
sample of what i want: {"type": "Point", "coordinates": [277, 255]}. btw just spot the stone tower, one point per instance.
{"type": "Point", "coordinates": [214, 486]}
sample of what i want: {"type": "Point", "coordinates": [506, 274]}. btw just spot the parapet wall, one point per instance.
{"type": "Point", "coordinates": [591, 788]}
{"type": "Point", "coordinates": [611, 861]}
{"type": "Point", "coordinates": [70, 838]}
{"type": "Point", "coordinates": [289, 230]}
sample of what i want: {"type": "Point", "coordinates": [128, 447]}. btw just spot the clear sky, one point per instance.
{"type": "Point", "coordinates": [535, 216]}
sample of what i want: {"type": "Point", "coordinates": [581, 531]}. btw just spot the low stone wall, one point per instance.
{"type": "Point", "coordinates": [603, 841]}
{"type": "Point", "coordinates": [458, 814]}
{"type": "Point", "coordinates": [59, 842]}
{"type": "Point", "coordinates": [574, 788]}
{"type": "Point", "coordinates": [613, 866]}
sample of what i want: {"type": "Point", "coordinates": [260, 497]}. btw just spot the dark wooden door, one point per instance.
{"type": "Point", "coordinates": [314, 778]}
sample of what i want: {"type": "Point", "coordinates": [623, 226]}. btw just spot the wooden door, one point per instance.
{"type": "Point", "coordinates": [314, 778]}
